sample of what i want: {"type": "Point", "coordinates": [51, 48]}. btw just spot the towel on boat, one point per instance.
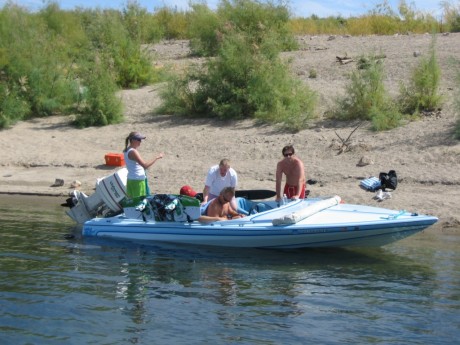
{"type": "Point", "coordinates": [306, 212]}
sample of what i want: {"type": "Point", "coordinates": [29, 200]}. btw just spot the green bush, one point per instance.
{"type": "Point", "coordinates": [384, 118]}
{"type": "Point", "coordinates": [244, 81]}
{"type": "Point", "coordinates": [48, 57]}
{"type": "Point", "coordinates": [279, 98]}
{"type": "Point", "coordinates": [13, 107]}
{"type": "Point", "coordinates": [207, 28]}
{"type": "Point", "coordinates": [108, 34]}
{"type": "Point", "coordinates": [451, 16]}
{"type": "Point", "coordinates": [256, 18]}
{"type": "Point", "coordinates": [380, 20]}
{"type": "Point", "coordinates": [173, 24]}
{"type": "Point", "coordinates": [100, 104]}
{"type": "Point", "coordinates": [204, 31]}
{"type": "Point", "coordinates": [133, 66]}
{"type": "Point", "coordinates": [36, 63]}
{"type": "Point", "coordinates": [136, 21]}
{"type": "Point", "coordinates": [366, 97]}
{"type": "Point", "coordinates": [422, 93]}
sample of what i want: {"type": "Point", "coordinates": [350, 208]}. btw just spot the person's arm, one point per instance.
{"type": "Point", "coordinates": [233, 213]}
{"type": "Point", "coordinates": [205, 194]}
{"type": "Point", "coordinates": [135, 156]}
{"type": "Point", "coordinates": [279, 177]}
{"type": "Point", "coordinates": [209, 219]}
{"type": "Point", "coordinates": [210, 175]}
{"type": "Point", "coordinates": [233, 178]}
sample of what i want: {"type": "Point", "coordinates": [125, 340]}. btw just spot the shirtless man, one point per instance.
{"type": "Point", "coordinates": [293, 168]}
{"type": "Point", "coordinates": [220, 208]}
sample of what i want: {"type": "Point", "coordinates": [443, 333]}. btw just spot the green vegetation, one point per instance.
{"type": "Point", "coordinates": [451, 16]}
{"type": "Point", "coordinates": [74, 62]}
{"type": "Point", "coordinates": [366, 97]}
{"type": "Point", "coordinates": [422, 93]}
{"type": "Point", "coordinates": [36, 71]}
{"type": "Point", "coordinates": [204, 31]}
{"type": "Point", "coordinates": [382, 20]}
{"type": "Point", "coordinates": [207, 28]}
{"type": "Point", "coordinates": [246, 79]}
{"type": "Point", "coordinates": [101, 106]}
{"type": "Point", "coordinates": [61, 62]}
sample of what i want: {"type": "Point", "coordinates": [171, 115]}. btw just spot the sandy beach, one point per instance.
{"type": "Point", "coordinates": [424, 153]}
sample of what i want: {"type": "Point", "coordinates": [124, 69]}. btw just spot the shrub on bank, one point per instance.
{"type": "Point", "coordinates": [107, 33]}
{"type": "Point", "coordinates": [36, 70]}
{"type": "Point", "coordinates": [244, 80]}
{"type": "Point", "coordinates": [204, 30]}
{"type": "Point", "coordinates": [380, 20]}
{"type": "Point", "coordinates": [100, 105]}
{"type": "Point", "coordinates": [451, 16]}
{"type": "Point", "coordinates": [207, 28]}
{"type": "Point", "coordinates": [422, 92]}
{"type": "Point", "coordinates": [46, 59]}
{"type": "Point", "coordinates": [366, 98]}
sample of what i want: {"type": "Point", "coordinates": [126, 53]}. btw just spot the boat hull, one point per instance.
{"type": "Point", "coordinates": [338, 226]}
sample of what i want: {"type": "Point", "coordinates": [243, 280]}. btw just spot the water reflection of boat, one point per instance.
{"type": "Point", "coordinates": [226, 276]}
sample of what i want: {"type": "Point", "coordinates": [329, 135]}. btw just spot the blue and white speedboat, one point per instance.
{"type": "Point", "coordinates": [314, 223]}
{"type": "Point", "coordinates": [310, 223]}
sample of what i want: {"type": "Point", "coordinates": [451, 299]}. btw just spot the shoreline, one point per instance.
{"type": "Point", "coordinates": [448, 223]}
{"type": "Point", "coordinates": [56, 201]}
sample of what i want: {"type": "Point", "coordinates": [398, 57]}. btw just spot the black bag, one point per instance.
{"type": "Point", "coordinates": [388, 180]}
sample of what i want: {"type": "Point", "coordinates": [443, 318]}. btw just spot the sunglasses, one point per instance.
{"type": "Point", "coordinates": [288, 154]}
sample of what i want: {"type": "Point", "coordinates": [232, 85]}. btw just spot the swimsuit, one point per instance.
{"type": "Point", "coordinates": [290, 191]}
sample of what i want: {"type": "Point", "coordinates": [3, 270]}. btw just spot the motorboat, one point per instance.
{"type": "Point", "coordinates": [311, 222]}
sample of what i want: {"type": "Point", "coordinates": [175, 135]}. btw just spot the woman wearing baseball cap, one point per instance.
{"type": "Point", "coordinates": [137, 178]}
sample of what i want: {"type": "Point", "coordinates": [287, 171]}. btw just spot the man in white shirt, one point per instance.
{"type": "Point", "coordinates": [219, 177]}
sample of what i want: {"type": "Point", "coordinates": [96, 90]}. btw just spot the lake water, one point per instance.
{"type": "Point", "coordinates": [58, 288]}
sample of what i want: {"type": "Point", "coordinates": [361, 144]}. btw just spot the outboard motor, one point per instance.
{"type": "Point", "coordinates": [110, 190]}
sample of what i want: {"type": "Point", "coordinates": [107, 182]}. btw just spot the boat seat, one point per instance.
{"type": "Point", "coordinates": [249, 207]}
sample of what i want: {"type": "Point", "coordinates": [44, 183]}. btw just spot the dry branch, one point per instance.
{"type": "Point", "coordinates": [346, 143]}
{"type": "Point", "coordinates": [344, 60]}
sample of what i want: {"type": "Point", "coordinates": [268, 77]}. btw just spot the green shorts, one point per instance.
{"type": "Point", "coordinates": [135, 188]}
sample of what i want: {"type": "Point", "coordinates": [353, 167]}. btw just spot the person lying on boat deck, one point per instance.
{"type": "Point", "coordinates": [220, 208]}
{"type": "Point", "coordinates": [293, 168]}
{"type": "Point", "coordinates": [217, 178]}
{"type": "Point", "coordinates": [136, 184]}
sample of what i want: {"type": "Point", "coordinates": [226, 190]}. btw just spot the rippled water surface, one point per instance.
{"type": "Point", "coordinates": [57, 288]}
